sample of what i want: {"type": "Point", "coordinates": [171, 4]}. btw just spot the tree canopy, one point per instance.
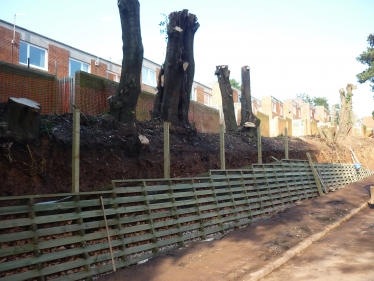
{"type": "Point", "coordinates": [314, 100]}
{"type": "Point", "coordinates": [235, 84]}
{"type": "Point", "coordinates": [367, 58]}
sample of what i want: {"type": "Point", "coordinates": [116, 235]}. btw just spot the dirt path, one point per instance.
{"type": "Point", "coordinates": [247, 250]}
{"type": "Point", "coordinates": [345, 254]}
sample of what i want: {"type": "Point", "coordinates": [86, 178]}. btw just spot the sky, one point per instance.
{"type": "Point", "coordinates": [291, 46]}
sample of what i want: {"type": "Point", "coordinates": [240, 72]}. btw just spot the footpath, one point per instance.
{"type": "Point", "coordinates": [255, 251]}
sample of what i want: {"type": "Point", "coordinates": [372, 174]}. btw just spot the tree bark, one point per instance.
{"type": "Point", "coordinates": [123, 105]}
{"type": "Point", "coordinates": [175, 83]}
{"type": "Point", "coordinates": [20, 119]}
{"type": "Point", "coordinates": [345, 122]}
{"type": "Point", "coordinates": [248, 119]}
{"type": "Point", "coordinates": [223, 74]}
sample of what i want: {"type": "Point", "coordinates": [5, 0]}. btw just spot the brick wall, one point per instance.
{"type": "Point", "coordinates": [92, 92]}
{"type": "Point", "coordinates": [20, 82]}
{"type": "Point", "coordinates": [6, 46]}
{"type": "Point", "coordinates": [368, 122]}
{"type": "Point", "coordinates": [289, 125]}
{"type": "Point", "coordinates": [235, 95]}
{"type": "Point", "coordinates": [61, 56]}
{"type": "Point", "coordinates": [99, 70]}
{"type": "Point", "coordinates": [200, 94]}
{"type": "Point", "coordinates": [91, 95]}
{"type": "Point", "coordinates": [277, 125]}
{"type": "Point", "coordinates": [313, 127]}
{"type": "Point", "coordinates": [265, 125]}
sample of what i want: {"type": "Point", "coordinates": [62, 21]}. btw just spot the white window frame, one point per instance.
{"type": "Point", "coordinates": [148, 82]}
{"type": "Point", "coordinates": [209, 98]}
{"type": "Point", "coordinates": [28, 56]}
{"type": "Point", "coordinates": [274, 106]}
{"type": "Point", "coordinates": [82, 63]}
{"type": "Point", "coordinates": [193, 94]}
{"type": "Point", "coordinates": [281, 110]}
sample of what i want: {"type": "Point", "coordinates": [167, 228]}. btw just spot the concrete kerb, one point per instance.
{"type": "Point", "coordinates": [299, 248]}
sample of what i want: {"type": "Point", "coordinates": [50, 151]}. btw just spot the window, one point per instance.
{"type": "Point", "coordinates": [274, 107]}
{"type": "Point", "coordinates": [149, 77]}
{"type": "Point", "coordinates": [113, 76]}
{"type": "Point", "coordinates": [207, 99]}
{"type": "Point", "coordinates": [193, 94]}
{"type": "Point", "coordinates": [75, 66]}
{"type": "Point", "coordinates": [294, 110]}
{"type": "Point", "coordinates": [281, 110]}
{"type": "Point", "coordinates": [36, 55]}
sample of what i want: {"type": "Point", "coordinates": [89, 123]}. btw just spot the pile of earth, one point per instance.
{"type": "Point", "coordinates": [110, 150]}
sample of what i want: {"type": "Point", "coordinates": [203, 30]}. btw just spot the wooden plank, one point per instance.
{"type": "Point", "coordinates": [166, 150]}
{"type": "Point", "coordinates": [222, 146]}
{"type": "Point", "coordinates": [259, 145]}
{"type": "Point", "coordinates": [75, 150]}
{"type": "Point", "coordinates": [107, 232]}
{"type": "Point", "coordinates": [315, 175]}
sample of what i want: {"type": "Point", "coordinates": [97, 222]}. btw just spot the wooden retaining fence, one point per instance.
{"type": "Point", "coordinates": [63, 236]}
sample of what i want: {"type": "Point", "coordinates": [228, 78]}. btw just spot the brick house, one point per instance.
{"type": "Point", "coordinates": [322, 114]}
{"type": "Point", "coordinates": [30, 49]}
{"type": "Point", "coordinates": [272, 107]}
{"type": "Point", "coordinates": [292, 109]}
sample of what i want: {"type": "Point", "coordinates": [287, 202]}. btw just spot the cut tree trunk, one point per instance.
{"type": "Point", "coordinates": [345, 117]}
{"type": "Point", "coordinates": [20, 119]}
{"type": "Point", "coordinates": [327, 132]}
{"type": "Point", "coordinates": [123, 105]}
{"type": "Point", "coordinates": [249, 122]}
{"type": "Point", "coordinates": [223, 74]}
{"type": "Point", "coordinates": [176, 76]}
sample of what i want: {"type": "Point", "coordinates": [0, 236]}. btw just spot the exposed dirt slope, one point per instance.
{"type": "Point", "coordinates": [112, 151]}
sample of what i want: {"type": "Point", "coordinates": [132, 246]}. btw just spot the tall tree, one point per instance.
{"type": "Point", "coordinates": [235, 84]}
{"type": "Point", "coordinates": [122, 106]}
{"type": "Point", "coordinates": [249, 121]}
{"type": "Point", "coordinates": [223, 74]}
{"type": "Point", "coordinates": [174, 82]}
{"type": "Point", "coordinates": [335, 113]}
{"type": "Point", "coordinates": [367, 58]}
{"type": "Point", "coordinates": [321, 102]}
{"type": "Point", "coordinates": [314, 100]}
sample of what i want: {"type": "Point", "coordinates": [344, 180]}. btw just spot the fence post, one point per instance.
{"type": "Point", "coordinates": [76, 141]}
{"type": "Point", "coordinates": [286, 142]}
{"type": "Point", "coordinates": [222, 146]}
{"type": "Point", "coordinates": [166, 150]}
{"type": "Point", "coordinates": [315, 175]}
{"type": "Point", "coordinates": [259, 145]}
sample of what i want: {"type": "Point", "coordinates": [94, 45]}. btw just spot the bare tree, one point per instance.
{"type": "Point", "coordinates": [174, 82]}
{"type": "Point", "coordinates": [123, 105]}
{"type": "Point", "coordinates": [249, 122]}
{"type": "Point", "coordinates": [223, 74]}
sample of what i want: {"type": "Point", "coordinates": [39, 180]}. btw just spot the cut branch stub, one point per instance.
{"type": "Point", "coordinates": [223, 74]}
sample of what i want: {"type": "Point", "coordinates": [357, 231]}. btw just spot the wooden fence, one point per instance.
{"type": "Point", "coordinates": [63, 236]}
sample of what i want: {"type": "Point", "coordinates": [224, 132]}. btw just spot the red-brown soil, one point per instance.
{"type": "Point", "coordinates": [110, 150]}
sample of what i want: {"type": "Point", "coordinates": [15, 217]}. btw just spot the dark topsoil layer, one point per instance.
{"type": "Point", "coordinates": [110, 150]}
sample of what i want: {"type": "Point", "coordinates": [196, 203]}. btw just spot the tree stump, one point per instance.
{"type": "Point", "coordinates": [20, 119]}
{"type": "Point", "coordinates": [223, 74]}
{"type": "Point", "coordinates": [249, 122]}
{"type": "Point", "coordinates": [175, 80]}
